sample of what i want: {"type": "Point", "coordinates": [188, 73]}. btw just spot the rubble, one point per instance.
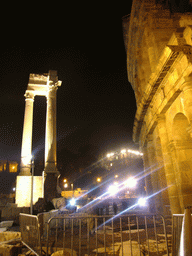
{"type": "Point", "coordinates": [10, 243]}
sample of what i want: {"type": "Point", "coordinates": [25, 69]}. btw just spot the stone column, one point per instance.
{"type": "Point", "coordinates": [27, 135]}
{"type": "Point", "coordinates": [168, 165]}
{"type": "Point", "coordinates": [50, 134]}
{"type": "Point", "coordinates": [50, 172]}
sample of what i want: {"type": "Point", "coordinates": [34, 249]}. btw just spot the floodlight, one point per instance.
{"type": "Point", "coordinates": [131, 182]}
{"type": "Point", "coordinates": [142, 201]}
{"type": "Point", "coordinates": [72, 202]}
{"type": "Point", "coordinates": [113, 189]}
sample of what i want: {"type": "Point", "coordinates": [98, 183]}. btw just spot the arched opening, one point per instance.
{"type": "Point", "coordinates": [180, 125]}
{"type": "Point", "coordinates": [183, 158]}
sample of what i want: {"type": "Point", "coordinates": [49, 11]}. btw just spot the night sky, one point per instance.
{"type": "Point", "coordinates": [84, 43]}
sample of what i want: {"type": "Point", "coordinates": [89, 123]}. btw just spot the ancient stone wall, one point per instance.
{"type": "Point", "coordinates": [159, 67]}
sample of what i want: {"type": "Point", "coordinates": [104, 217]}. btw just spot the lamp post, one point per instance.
{"type": "Point", "coordinates": [32, 174]}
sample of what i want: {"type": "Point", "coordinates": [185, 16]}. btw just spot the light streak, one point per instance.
{"type": "Point", "coordinates": [131, 207]}
{"type": "Point", "coordinates": [120, 187]}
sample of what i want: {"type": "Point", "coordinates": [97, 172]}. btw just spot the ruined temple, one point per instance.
{"type": "Point", "coordinates": [158, 42]}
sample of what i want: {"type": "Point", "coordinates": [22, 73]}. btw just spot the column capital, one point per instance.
{"type": "Point", "coordinates": [51, 92]}
{"type": "Point", "coordinates": [29, 95]}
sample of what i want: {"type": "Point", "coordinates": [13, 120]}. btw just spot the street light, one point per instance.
{"type": "Point", "coordinates": [123, 151]}
{"type": "Point", "coordinates": [142, 201]}
{"type": "Point", "coordinates": [65, 185]}
{"type": "Point", "coordinates": [131, 182]}
{"type": "Point", "coordinates": [112, 190]}
{"type": "Point", "coordinates": [72, 202]}
{"type": "Point", "coordinates": [110, 155]}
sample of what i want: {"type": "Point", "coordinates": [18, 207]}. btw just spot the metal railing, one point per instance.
{"type": "Point", "coordinates": [176, 234]}
{"type": "Point", "coordinates": [181, 233]}
{"type": "Point", "coordinates": [134, 235]}
{"type": "Point", "coordinates": [30, 233]}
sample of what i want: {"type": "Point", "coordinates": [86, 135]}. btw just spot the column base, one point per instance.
{"type": "Point", "coordinates": [50, 186]}
{"type": "Point", "coordinates": [25, 171]}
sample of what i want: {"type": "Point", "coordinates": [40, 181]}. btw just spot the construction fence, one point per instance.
{"type": "Point", "coordinates": [81, 234]}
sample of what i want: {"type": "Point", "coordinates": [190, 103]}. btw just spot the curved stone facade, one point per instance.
{"type": "Point", "coordinates": [159, 66]}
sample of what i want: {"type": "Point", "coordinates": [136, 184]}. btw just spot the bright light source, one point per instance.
{"type": "Point", "coordinates": [113, 189]}
{"type": "Point", "coordinates": [116, 176]}
{"type": "Point", "coordinates": [138, 153]}
{"type": "Point", "coordinates": [123, 151]}
{"type": "Point", "coordinates": [131, 182]}
{"type": "Point", "coordinates": [142, 201]}
{"type": "Point", "coordinates": [72, 202]}
{"type": "Point", "coordinates": [98, 179]}
{"type": "Point", "coordinates": [110, 155]}
{"type": "Point", "coordinates": [65, 185]}
{"type": "Point", "coordinates": [65, 180]}
{"type": "Point", "coordinates": [27, 159]}
{"type": "Point", "coordinates": [13, 189]}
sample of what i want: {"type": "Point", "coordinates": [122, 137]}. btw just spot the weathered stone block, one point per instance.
{"type": "Point", "coordinates": [10, 250]}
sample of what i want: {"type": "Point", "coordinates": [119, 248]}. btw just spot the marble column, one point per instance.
{"type": "Point", "coordinates": [27, 136]}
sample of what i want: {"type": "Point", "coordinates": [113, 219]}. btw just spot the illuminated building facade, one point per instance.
{"type": "Point", "coordinates": [8, 166]}
{"type": "Point", "coordinates": [120, 166]}
{"type": "Point", "coordinates": [158, 42]}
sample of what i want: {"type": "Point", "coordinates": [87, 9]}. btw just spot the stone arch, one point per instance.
{"type": "Point", "coordinates": [182, 156]}
{"type": "Point", "coordinates": [179, 128]}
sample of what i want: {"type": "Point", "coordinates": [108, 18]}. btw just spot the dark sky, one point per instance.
{"type": "Point", "coordinates": [84, 43]}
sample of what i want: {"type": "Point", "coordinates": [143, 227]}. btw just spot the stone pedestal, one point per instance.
{"type": "Point", "coordinates": [50, 186]}
{"type": "Point", "coordinates": [23, 191]}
